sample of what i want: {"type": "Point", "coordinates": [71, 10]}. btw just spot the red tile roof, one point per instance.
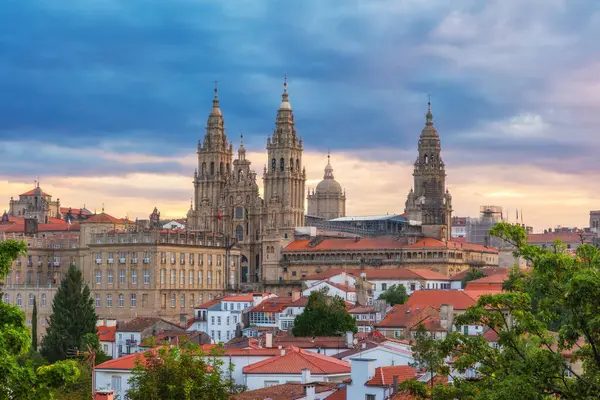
{"type": "Point", "coordinates": [490, 336]}
{"type": "Point", "coordinates": [346, 244]}
{"type": "Point", "coordinates": [339, 394]}
{"type": "Point", "coordinates": [435, 298]}
{"type": "Point", "coordinates": [430, 243]}
{"type": "Point", "coordinates": [374, 274]}
{"type": "Point", "coordinates": [274, 304]}
{"type": "Point", "coordinates": [565, 237]}
{"type": "Point", "coordinates": [362, 310]}
{"type": "Point", "coordinates": [486, 271]}
{"type": "Point", "coordinates": [106, 333]}
{"type": "Point", "coordinates": [242, 298]}
{"type": "Point", "coordinates": [75, 211]}
{"type": "Point", "coordinates": [384, 376]}
{"type": "Point", "coordinates": [209, 303]}
{"type": "Point", "coordinates": [295, 360]}
{"type": "Point", "coordinates": [32, 192]}
{"type": "Point", "coordinates": [125, 362]}
{"type": "Point", "coordinates": [103, 218]}
{"type": "Point", "coordinates": [54, 227]}
{"type": "Point", "coordinates": [308, 342]}
{"type": "Point", "coordinates": [138, 324]}
{"type": "Point", "coordinates": [476, 294]}
{"type": "Point", "coordinates": [406, 315]}
{"type": "Point", "coordinates": [285, 391]}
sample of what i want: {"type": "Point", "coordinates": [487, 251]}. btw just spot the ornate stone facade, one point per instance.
{"type": "Point", "coordinates": [226, 196]}
{"type": "Point", "coordinates": [35, 204]}
{"type": "Point", "coordinates": [328, 201]}
{"type": "Point", "coordinates": [430, 202]}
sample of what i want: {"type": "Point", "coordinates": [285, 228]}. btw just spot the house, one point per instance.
{"type": "Point", "coordinates": [131, 334]}
{"type": "Point", "coordinates": [115, 374]}
{"type": "Point", "coordinates": [382, 279]}
{"type": "Point", "coordinates": [327, 345]}
{"type": "Point", "coordinates": [375, 383]}
{"type": "Point", "coordinates": [456, 280]}
{"type": "Point", "coordinates": [386, 351]}
{"type": "Point", "coordinates": [220, 317]}
{"type": "Point", "coordinates": [366, 317]}
{"type": "Point", "coordinates": [292, 390]}
{"type": "Point", "coordinates": [277, 312]}
{"type": "Point", "coordinates": [106, 330]}
{"type": "Point", "coordinates": [403, 319]}
{"type": "Point", "coordinates": [291, 365]}
{"type": "Point", "coordinates": [346, 292]}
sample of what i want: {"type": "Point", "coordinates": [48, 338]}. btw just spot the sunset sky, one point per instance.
{"type": "Point", "coordinates": [105, 100]}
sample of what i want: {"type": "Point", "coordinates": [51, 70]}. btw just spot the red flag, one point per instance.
{"type": "Point", "coordinates": [219, 215]}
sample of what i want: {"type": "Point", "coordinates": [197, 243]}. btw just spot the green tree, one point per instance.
{"type": "Point", "coordinates": [471, 276]}
{"type": "Point", "coordinates": [73, 320]}
{"type": "Point", "coordinates": [428, 354]}
{"type": "Point", "coordinates": [396, 294]}
{"type": "Point", "coordinates": [531, 360]}
{"type": "Point", "coordinates": [34, 325]}
{"type": "Point", "coordinates": [324, 316]}
{"type": "Point", "coordinates": [179, 374]}
{"type": "Point", "coordinates": [20, 378]}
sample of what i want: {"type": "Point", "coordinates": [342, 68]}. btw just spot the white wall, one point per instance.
{"type": "Point", "coordinates": [120, 340]}
{"type": "Point", "coordinates": [109, 348]}
{"type": "Point", "coordinates": [407, 283]}
{"type": "Point", "coordinates": [225, 331]}
{"type": "Point", "coordinates": [385, 357]}
{"type": "Point", "coordinates": [258, 381]}
{"type": "Point", "coordinates": [239, 362]}
{"type": "Point", "coordinates": [333, 291]}
{"type": "Point", "coordinates": [104, 380]}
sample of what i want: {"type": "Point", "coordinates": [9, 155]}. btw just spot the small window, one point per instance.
{"type": "Point", "coordinates": [282, 165]}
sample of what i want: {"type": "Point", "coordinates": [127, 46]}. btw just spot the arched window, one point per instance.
{"type": "Point", "coordinates": [291, 164]}
{"type": "Point", "coordinates": [239, 233]}
{"type": "Point", "coordinates": [182, 301]}
{"type": "Point", "coordinates": [44, 299]}
{"type": "Point", "coordinates": [282, 165]}
{"type": "Point", "coordinates": [31, 299]}
{"type": "Point", "coordinates": [273, 165]}
{"type": "Point", "coordinates": [221, 169]}
{"type": "Point", "coordinates": [19, 300]}
{"type": "Point", "coordinates": [121, 301]}
{"type": "Point", "coordinates": [212, 168]}
{"type": "Point", "coordinates": [297, 165]}
{"type": "Point", "coordinates": [203, 168]}
{"type": "Point", "coordinates": [425, 159]}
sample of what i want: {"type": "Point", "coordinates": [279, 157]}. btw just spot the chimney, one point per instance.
{"type": "Point", "coordinates": [296, 294]}
{"type": "Point", "coordinates": [257, 298]}
{"type": "Point", "coordinates": [111, 322]}
{"type": "Point", "coordinates": [447, 316]}
{"type": "Point", "coordinates": [305, 375]}
{"type": "Point", "coordinates": [269, 340]}
{"type": "Point", "coordinates": [349, 339]}
{"type": "Point", "coordinates": [310, 392]}
{"type": "Point", "coordinates": [183, 321]}
{"type": "Point", "coordinates": [104, 395]}
{"type": "Point", "coordinates": [362, 370]}
{"type": "Point", "coordinates": [282, 351]}
{"type": "Point", "coordinates": [395, 387]}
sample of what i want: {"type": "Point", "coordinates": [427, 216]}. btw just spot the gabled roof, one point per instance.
{"type": "Point", "coordinates": [103, 218]}
{"type": "Point", "coordinates": [374, 274]}
{"type": "Point", "coordinates": [435, 298]}
{"type": "Point", "coordinates": [406, 315]}
{"type": "Point", "coordinates": [125, 362]}
{"type": "Point", "coordinates": [286, 391]}
{"type": "Point", "coordinates": [106, 333]}
{"type": "Point", "coordinates": [33, 191]}
{"type": "Point", "coordinates": [138, 324]}
{"type": "Point", "coordinates": [384, 376]}
{"type": "Point", "coordinates": [295, 360]}
{"type": "Point", "coordinates": [274, 304]}
{"type": "Point", "coordinates": [75, 211]}
{"type": "Point", "coordinates": [208, 304]}
{"type": "Point", "coordinates": [339, 394]}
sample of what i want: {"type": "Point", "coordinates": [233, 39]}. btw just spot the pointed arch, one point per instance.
{"type": "Point", "coordinates": [212, 167]}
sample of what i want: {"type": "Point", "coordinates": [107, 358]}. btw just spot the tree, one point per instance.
{"type": "Point", "coordinates": [324, 316]}
{"type": "Point", "coordinates": [73, 320]}
{"type": "Point", "coordinates": [531, 361]}
{"type": "Point", "coordinates": [396, 294]}
{"type": "Point", "coordinates": [174, 373]}
{"type": "Point", "coordinates": [471, 276]}
{"type": "Point", "coordinates": [19, 377]}
{"type": "Point", "coordinates": [427, 353]}
{"type": "Point", "coordinates": [34, 324]}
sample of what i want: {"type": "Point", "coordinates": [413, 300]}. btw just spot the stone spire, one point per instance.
{"type": "Point", "coordinates": [285, 131]}
{"type": "Point", "coordinates": [429, 130]}
{"type": "Point", "coordinates": [328, 168]}
{"type": "Point", "coordinates": [215, 138]}
{"type": "Point", "coordinates": [242, 149]}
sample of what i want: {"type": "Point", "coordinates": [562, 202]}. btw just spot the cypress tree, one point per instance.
{"type": "Point", "coordinates": [73, 317]}
{"type": "Point", "coordinates": [34, 323]}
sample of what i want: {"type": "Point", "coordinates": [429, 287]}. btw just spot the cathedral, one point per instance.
{"type": "Point", "coordinates": [429, 201]}
{"type": "Point", "coordinates": [328, 201]}
{"type": "Point", "coordinates": [226, 193]}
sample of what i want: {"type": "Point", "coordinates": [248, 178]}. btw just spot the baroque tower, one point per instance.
{"type": "Point", "coordinates": [430, 202]}
{"type": "Point", "coordinates": [214, 168]}
{"type": "Point", "coordinates": [284, 184]}
{"type": "Point", "coordinates": [328, 200]}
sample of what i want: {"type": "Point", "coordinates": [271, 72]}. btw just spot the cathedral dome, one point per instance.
{"type": "Point", "coordinates": [329, 185]}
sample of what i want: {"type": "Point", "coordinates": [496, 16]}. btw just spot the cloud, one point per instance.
{"type": "Point", "coordinates": [118, 88]}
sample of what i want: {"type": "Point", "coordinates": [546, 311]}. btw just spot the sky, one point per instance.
{"type": "Point", "coordinates": [105, 100]}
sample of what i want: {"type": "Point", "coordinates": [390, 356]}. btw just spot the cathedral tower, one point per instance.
{"type": "Point", "coordinates": [430, 202]}
{"type": "Point", "coordinates": [214, 168]}
{"type": "Point", "coordinates": [284, 177]}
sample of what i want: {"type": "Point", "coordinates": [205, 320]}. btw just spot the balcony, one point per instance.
{"type": "Point", "coordinates": [147, 260]}
{"type": "Point", "coordinates": [110, 261]}
{"type": "Point", "coordinates": [134, 260]}
{"type": "Point", "coordinates": [121, 260]}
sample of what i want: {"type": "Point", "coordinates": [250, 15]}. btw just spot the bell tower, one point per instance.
{"type": "Point", "coordinates": [214, 168]}
{"type": "Point", "coordinates": [430, 202]}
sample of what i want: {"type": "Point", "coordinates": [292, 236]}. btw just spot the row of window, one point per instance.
{"type": "Point", "coordinates": [228, 335]}
{"type": "Point", "coordinates": [19, 300]}
{"type": "Point", "coordinates": [122, 276]}
{"type": "Point", "coordinates": [131, 301]}
{"type": "Point", "coordinates": [228, 319]}
{"type": "Point", "coordinates": [182, 300]}
{"type": "Point", "coordinates": [191, 277]}
{"type": "Point", "coordinates": [165, 256]}
{"type": "Point", "coordinates": [49, 278]}
{"type": "Point", "coordinates": [39, 260]}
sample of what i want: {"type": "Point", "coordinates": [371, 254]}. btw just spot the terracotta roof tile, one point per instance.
{"type": "Point", "coordinates": [138, 324]}
{"type": "Point", "coordinates": [32, 192]}
{"type": "Point", "coordinates": [295, 360]}
{"type": "Point", "coordinates": [125, 362]}
{"type": "Point", "coordinates": [346, 244]}
{"type": "Point", "coordinates": [374, 274]}
{"type": "Point", "coordinates": [103, 218]}
{"type": "Point", "coordinates": [208, 304]}
{"type": "Point", "coordinates": [565, 237]}
{"type": "Point", "coordinates": [106, 333]}
{"type": "Point", "coordinates": [284, 392]}
{"type": "Point", "coordinates": [384, 376]}
{"type": "Point", "coordinates": [75, 211]}
{"type": "Point", "coordinates": [435, 298]}
{"type": "Point", "coordinates": [339, 394]}
{"type": "Point", "coordinates": [308, 342]}
{"type": "Point", "coordinates": [406, 315]}
{"type": "Point", "coordinates": [275, 304]}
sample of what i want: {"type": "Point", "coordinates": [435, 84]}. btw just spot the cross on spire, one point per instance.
{"type": "Point", "coordinates": [285, 82]}
{"type": "Point", "coordinates": [216, 87]}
